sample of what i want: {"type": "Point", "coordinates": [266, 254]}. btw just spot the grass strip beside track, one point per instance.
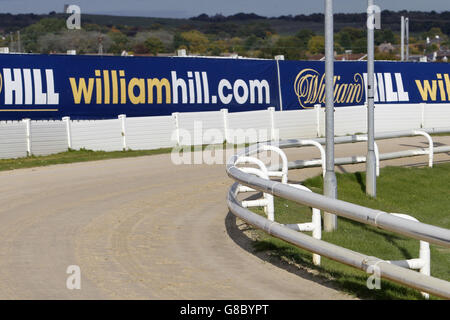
{"type": "Point", "coordinates": [73, 156]}
{"type": "Point", "coordinates": [420, 192]}
{"type": "Point", "coordinates": [84, 155]}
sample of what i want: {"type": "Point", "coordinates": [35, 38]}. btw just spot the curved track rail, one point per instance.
{"type": "Point", "coordinates": [377, 218]}
{"type": "Point", "coordinates": [143, 228]}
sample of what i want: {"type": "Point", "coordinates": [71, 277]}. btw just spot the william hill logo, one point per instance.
{"type": "Point", "coordinates": [28, 87]}
{"type": "Point", "coordinates": [309, 87]}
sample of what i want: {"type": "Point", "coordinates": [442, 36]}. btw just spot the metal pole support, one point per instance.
{"type": "Point", "coordinates": [371, 176]}
{"type": "Point", "coordinates": [330, 183]}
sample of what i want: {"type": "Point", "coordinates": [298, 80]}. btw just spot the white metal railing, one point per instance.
{"type": "Point", "coordinates": [423, 263]}
{"type": "Point", "coordinates": [397, 271]}
{"type": "Point", "coordinates": [430, 151]}
{"type": "Point", "coordinates": [267, 202]}
{"type": "Point", "coordinates": [430, 145]}
{"type": "Point", "coordinates": [140, 133]}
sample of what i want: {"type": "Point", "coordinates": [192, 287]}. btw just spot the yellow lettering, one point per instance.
{"type": "Point", "coordinates": [140, 83]}
{"type": "Point", "coordinates": [447, 84]}
{"type": "Point", "coordinates": [106, 81]}
{"type": "Point", "coordinates": [115, 87]}
{"type": "Point", "coordinates": [98, 86]}
{"type": "Point", "coordinates": [123, 91]}
{"type": "Point", "coordinates": [159, 84]}
{"type": "Point", "coordinates": [427, 89]}
{"type": "Point", "coordinates": [81, 90]}
{"type": "Point", "coordinates": [341, 93]}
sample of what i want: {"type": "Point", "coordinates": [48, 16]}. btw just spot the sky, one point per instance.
{"type": "Point", "coordinates": [190, 8]}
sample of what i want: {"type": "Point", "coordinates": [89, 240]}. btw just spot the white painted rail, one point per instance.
{"type": "Point", "coordinates": [392, 270]}
{"type": "Point", "coordinates": [213, 127]}
{"type": "Point", "coordinates": [430, 151]}
{"type": "Point", "coordinates": [267, 202]}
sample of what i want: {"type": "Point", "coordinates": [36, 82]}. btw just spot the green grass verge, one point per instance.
{"type": "Point", "coordinates": [420, 192]}
{"type": "Point", "coordinates": [84, 155]}
{"type": "Point", "coordinates": [73, 156]}
{"type": "Point", "coordinates": [444, 134]}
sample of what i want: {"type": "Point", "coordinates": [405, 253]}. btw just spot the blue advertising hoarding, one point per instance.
{"type": "Point", "coordinates": [99, 87]}
{"type": "Point", "coordinates": [94, 87]}
{"type": "Point", "coordinates": [395, 82]}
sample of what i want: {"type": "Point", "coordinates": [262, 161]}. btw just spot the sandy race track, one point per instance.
{"type": "Point", "coordinates": [143, 228]}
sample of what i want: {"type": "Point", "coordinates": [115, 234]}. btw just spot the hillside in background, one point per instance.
{"type": "Point", "coordinates": [295, 36]}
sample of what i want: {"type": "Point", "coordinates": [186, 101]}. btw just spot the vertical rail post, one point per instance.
{"type": "Point", "coordinates": [123, 118]}
{"type": "Point", "coordinates": [407, 38]}
{"type": "Point", "coordinates": [225, 124]}
{"type": "Point", "coordinates": [402, 39]}
{"type": "Point", "coordinates": [277, 59]}
{"type": "Point", "coordinates": [422, 118]}
{"type": "Point", "coordinates": [69, 132]}
{"type": "Point", "coordinates": [272, 123]}
{"type": "Point", "coordinates": [28, 135]}
{"type": "Point", "coordinates": [317, 108]}
{"type": "Point", "coordinates": [175, 116]}
{"type": "Point", "coordinates": [330, 183]}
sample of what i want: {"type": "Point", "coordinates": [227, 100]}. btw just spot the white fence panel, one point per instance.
{"type": "Point", "coordinates": [150, 132]}
{"type": "Point", "coordinates": [99, 135]}
{"type": "Point", "coordinates": [209, 125]}
{"type": "Point", "coordinates": [13, 143]}
{"type": "Point", "coordinates": [48, 137]}
{"type": "Point", "coordinates": [141, 133]}
{"type": "Point", "coordinates": [396, 117]}
{"type": "Point", "coordinates": [296, 124]}
{"type": "Point", "coordinates": [250, 127]}
{"type": "Point", "coordinates": [437, 115]}
{"type": "Point", "coordinates": [350, 120]}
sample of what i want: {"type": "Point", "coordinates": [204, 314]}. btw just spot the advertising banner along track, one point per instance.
{"type": "Point", "coordinates": [102, 87]}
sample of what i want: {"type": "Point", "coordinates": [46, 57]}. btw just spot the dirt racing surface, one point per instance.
{"type": "Point", "coordinates": [144, 228]}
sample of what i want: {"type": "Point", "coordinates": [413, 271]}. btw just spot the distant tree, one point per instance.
{"type": "Point", "coordinates": [140, 48]}
{"type": "Point", "coordinates": [154, 45]}
{"type": "Point", "coordinates": [82, 41]}
{"type": "Point", "coordinates": [291, 47]}
{"type": "Point", "coordinates": [155, 26]}
{"type": "Point", "coordinates": [344, 40]}
{"type": "Point", "coordinates": [179, 41]}
{"type": "Point", "coordinates": [251, 42]}
{"type": "Point", "coordinates": [259, 29]}
{"type": "Point", "coordinates": [359, 45]}
{"type": "Point", "coordinates": [196, 41]}
{"type": "Point", "coordinates": [201, 17]}
{"type": "Point", "coordinates": [316, 44]}
{"type": "Point", "coordinates": [120, 42]}
{"type": "Point", "coordinates": [384, 35]}
{"type": "Point", "coordinates": [385, 56]}
{"type": "Point", "coordinates": [431, 48]}
{"type": "Point", "coordinates": [433, 32]}
{"type": "Point", "coordinates": [245, 16]}
{"type": "Point", "coordinates": [217, 47]}
{"type": "Point", "coordinates": [31, 34]}
{"type": "Point", "coordinates": [304, 36]}
{"type": "Point", "coordinates": [95, 27]}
